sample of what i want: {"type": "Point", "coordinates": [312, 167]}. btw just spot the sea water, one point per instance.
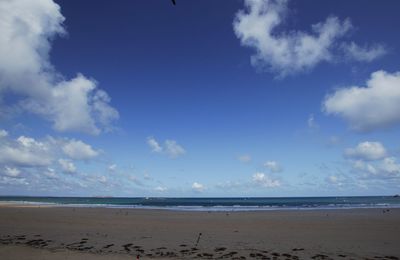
{"type": "Point", "coordinates": [214, 204]}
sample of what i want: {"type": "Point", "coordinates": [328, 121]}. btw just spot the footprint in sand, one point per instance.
{"type": "Point", "coordinates": [230, 254]}
{"type": "Point", "coordinates": [108, 246]}
{"type": "Point", "coordinates": [320, 256]}
{"type": "Point", "coordinates": [126, 247]}
{"type": "Point", "coordinates": [219, 249]}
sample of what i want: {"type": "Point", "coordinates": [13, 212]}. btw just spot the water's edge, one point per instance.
{"type": "Point", "coordinates": [211, 204]}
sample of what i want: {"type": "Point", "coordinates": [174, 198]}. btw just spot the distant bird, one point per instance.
{"type": "Point", "coordinates": [173, 2]}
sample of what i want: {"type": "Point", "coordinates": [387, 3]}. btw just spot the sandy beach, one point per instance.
{"type": "Point", "coordinates": [104, 233]}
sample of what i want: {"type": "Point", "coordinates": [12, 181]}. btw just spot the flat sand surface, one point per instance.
{"type": "Point", "coordinates": [104, 233]}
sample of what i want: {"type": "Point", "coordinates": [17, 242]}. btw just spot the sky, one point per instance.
{"type": "Point", "coordinates": [202, 99]}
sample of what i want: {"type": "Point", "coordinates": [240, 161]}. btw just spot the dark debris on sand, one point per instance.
{"type": "Point", "coordinates": [183, 251]}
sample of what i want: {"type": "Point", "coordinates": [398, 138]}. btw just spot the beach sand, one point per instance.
{"type": "Point", "coordinates": [104, 233]}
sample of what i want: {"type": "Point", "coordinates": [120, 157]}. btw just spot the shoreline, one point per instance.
{"type": "Point", "coordinates": [93, 233]}
{"type": "Point", "coordinates": [30, 204]}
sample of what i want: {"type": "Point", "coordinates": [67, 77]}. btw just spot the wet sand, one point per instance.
{"type": "Point", "coordinates": [101, 233]}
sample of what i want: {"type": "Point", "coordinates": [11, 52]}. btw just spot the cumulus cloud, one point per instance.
{"type": "Point", "coordinates": [40, 162]}
{"type": "Point", "coordinates": [3, 133]}
{"type": "Point", "coordinates": [287, 53]}
{"type": "Point", "coordinates": [79, 150]}
{"type": "Point", "coordinates": [245, 158]}
{"type": "Point", "coordinates": [4, 180]}
{"type": "Point", "coordinates": [11, 172]}
{"type": "Point", "coordinates": [198, 187]}
{"type": "Point", "coordinates": [341, 180]}
{"type": "Point", "coordinates": [27, 29]}
{"type": "Point", "coordinates": [112, 167]}
{"type": "Point", "coordinates": [147, 176]}
{"type": "Point", "coordinates": [367, 151]}
{"type": "Point", "coordinates": [67, 166]}
{"type": "Point", "coordinates": [333, 179]}
{"type": "Point", "coordinates": [284, 53]}
{"type": "Point", "coordinates": [265, 181]}
{"type": "Point", "coordinates": [160, 189]}
{"type": "Point", "coordinates": [273, 166]}
{"type": "Point", "coordinates": [28, 153]}
{"type": "Point", "coordinates": [363, 54]}
{"type": "Point", "coordinates": [390, 165]}
{"type": "Point", "coordinates": [375, 106]}
{"type": "Point", "coordinates": [50, 173]}
{"type": "Point", "coordinates": [102, 179]}
{"type": "Point", "coordinates": [382, 169]}
{"type": "Point", "coordinates": [154, 145]}
{"type": "Point", "coordinates": [171, 148]}
{"type": "Point", "coordinates": [25, 152]}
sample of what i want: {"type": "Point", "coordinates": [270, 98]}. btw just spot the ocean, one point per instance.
{"type": "Point", "coordinates": [214, 204]}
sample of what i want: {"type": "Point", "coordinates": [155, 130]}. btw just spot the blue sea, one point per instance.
{"type": "Point", "coordinates": [214, 204]}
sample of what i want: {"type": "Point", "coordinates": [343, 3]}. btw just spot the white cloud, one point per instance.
{"type": "Point", "coordinates": [287, 53]}
{"type": "Point", "coordinates": [265, 181]}
{"type": "Point", "coordinates": [135, 180]}
{"type": "Point", "coordinates": [339, 180]}
{"type": "Point", "coordinates": [112, 167]}
{"type": "Point", "coordinates": [312, 124]}
{"type": "Point", "coordinates": [3, 133]}
{"type": "Point", "coordinates": [154, 145]}
{"type": "Point", "coordinates": [11, 172]}
{"type": "Point", "coordinates": [385, 168]}
{"type": "Point", "coordinates": [333, 179]}
{"type": "Point", "coordinates": [50, 173]}
{"type": "Point", "coordinates": [29, 142]}
{"type": "Point", "coordinates": [27, 29]}
{"type": "Point", "coordinates": [170, 148]}
{"type": "Point", "coordinates": [362, 166]}
{"type": "Point", "coordinates": [245, 158]}
{"type": "Point", "coordinates": [13, 181]}
{"type": "Point", "coordinates": [368, 108]}
{"type": "Point", "coordinates": [79, 150]}
{"type": "Point", "coordinates": [198, 187]}
{"type": "Point", "coordinates": [147, 176]}
{"type": "Point", "coordinates": [29, 152]}
{"type": "Point", "coordinates": [102, 179]}
{"type": "Point", "coordinates": [365, 54]}
{"type": "Point", "coordinates": [390, 166]}
{"type": "Point", "coordinates": [25, 152]}
{"type": "Point", "coordinates": [284, 53]}
{"type": "Point", "coordinates": [40, 161]}
{"type": "Point", "coordinates": [173, 149]}
{"type": "Point", "coordinates": [160, 189]}
{"type": "Point", "coordinates": [67, 166]}
{"type": "Point", "coordinates": [273, 166]}
{"type": "Point", "coordinates": [367, 151]}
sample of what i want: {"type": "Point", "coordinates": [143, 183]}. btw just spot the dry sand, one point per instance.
{"type": "Point", "coordinates": [101, 233]}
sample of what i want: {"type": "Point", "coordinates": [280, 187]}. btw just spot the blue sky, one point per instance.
{"type": "Point", "coordinates": [205, 98]}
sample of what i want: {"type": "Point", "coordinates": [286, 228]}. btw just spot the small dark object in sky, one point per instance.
{"type": "Point", "coordinates": [173, 2]}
